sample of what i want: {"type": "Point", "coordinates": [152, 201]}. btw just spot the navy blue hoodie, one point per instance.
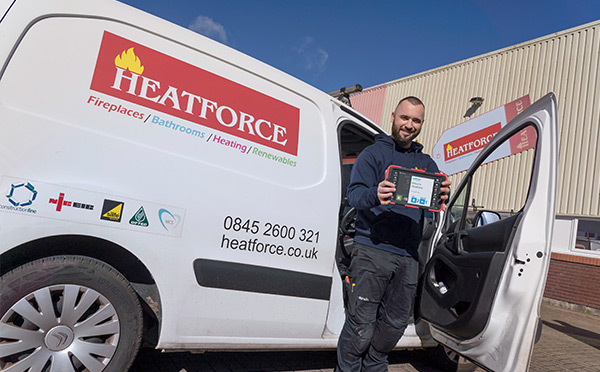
{"type": "Point", "coordinates": [393, 228]}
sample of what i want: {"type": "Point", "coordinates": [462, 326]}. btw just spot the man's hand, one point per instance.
{"type": "Point", "coordinates": [445, 189]}
{"type": "Point", "coordinates": [385, 190]}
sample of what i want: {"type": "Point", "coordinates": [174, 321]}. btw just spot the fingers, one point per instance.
{"type": "Point", "coordinates": [445, 189]}
{"type": "Point", "coordinates": [444, 195]}
{"type": "Point", "coordinates": [385, 190]}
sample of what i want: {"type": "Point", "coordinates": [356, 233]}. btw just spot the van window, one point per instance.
{"type": "Point", "coordinates": [510, 175]}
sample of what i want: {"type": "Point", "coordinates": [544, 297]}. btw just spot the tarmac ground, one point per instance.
{"type": "Point", "coordinates": [570, 341]}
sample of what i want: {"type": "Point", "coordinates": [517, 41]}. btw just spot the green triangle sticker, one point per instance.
{"type": "Point", "coordinates": [139, 218]}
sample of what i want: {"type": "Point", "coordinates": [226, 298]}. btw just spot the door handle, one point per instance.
{"type": "Point", "coordinates": [455, 242]}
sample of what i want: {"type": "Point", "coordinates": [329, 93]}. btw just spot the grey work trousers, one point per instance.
{"type": "Point", "coordinates": [380, 301]}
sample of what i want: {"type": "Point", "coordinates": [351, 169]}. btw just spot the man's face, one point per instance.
{"type": "Point", "coordinates": [407, 121]}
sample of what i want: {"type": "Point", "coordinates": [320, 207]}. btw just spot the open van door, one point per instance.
{"type": "Point", "coordinates": [482, 287]}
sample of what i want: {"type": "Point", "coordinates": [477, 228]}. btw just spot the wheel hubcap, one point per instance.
{"type": "Point", "coordinates": [59, 338]}
{"type": "Point", "coordinates": [62, 327]}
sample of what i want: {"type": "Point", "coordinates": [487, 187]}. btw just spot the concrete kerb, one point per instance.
{"type": "Point", "coordinates": [571, 306]}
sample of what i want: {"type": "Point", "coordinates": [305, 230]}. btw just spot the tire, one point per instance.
{"type": "Point", "coordinates": [448, 360]}
{"type": "Point", "coordinates": [68, 313]}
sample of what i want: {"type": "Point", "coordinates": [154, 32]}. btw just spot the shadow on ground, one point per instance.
{"type": "Point", "coordinates": [150, 360]}
{"type": "Point", "coordinates": [580, 334]}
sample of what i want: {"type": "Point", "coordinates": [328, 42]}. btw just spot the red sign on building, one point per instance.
{"type": "Point", "coordinates": [470, 143]}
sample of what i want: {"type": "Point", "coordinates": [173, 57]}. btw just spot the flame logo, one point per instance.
{"type": "Point", "coordinates": [127, 60]}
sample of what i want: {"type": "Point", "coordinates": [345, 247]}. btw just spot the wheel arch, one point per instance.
{"type": "Point", "coordinates": [103, 250]}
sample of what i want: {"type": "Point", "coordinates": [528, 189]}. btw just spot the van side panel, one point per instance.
{"type": "Point", "coordinates": [218, 178]}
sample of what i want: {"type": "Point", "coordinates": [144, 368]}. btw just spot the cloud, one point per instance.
{"type": "Point", "coordinates": [207, 27]}
{"type": "Point", "coordinates": [313, 57]}
{"type": "Point", "coordinates": [322, 57]}
{"type": "Point", "coordinates": [305, 43]}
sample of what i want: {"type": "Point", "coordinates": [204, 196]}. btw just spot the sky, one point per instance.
{"type": "Point", "coordinates": [333, 44]}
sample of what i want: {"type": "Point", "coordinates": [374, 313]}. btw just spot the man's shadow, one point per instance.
{"type": "Point", "coordinates": [580, 334]}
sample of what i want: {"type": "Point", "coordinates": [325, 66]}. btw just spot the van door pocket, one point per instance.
{"type": "Point", "coordinates": [442, 281]}
{"type": "Point", "coordinates": [454, 282]}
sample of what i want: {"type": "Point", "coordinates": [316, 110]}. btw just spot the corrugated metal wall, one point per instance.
{"type": "Point", "coordinates": [371, 105]}
{"type": "Point", "coordinates": [566, 63]}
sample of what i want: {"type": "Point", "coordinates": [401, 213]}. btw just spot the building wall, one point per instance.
{"type": "Point", "coordinates": [566, 63]}
{"type": "Point", "coordinates": [574, 279]}
{"type": "Point", "coordinates": [371, 104]}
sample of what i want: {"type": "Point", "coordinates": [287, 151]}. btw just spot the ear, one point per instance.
{"type": "Point", "coordinates": [393, 113]}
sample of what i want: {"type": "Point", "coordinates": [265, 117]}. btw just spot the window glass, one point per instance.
{"type": "Point", "coordinates": [499, 186]}
{"type": "Point", "coordinates": [588, 236]}
{"type": "Point", "coordinates": [457, 210]}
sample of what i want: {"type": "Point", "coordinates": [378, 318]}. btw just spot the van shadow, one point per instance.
{"type": "Point", "coordinates": [580, 334]}
{"type": "Point", "coordinates": [149, 360]}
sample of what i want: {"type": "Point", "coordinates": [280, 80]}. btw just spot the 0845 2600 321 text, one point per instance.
{"type": "Point", "coordinates": [286, 234]}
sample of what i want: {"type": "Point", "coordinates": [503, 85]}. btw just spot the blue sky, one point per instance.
{"type": "Point", "coordinates": [332, 44]}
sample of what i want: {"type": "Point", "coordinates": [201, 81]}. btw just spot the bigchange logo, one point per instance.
{"type": "Point", "coordinates": [135, 73]}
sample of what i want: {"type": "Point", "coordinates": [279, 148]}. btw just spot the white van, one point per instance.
{"type": "Point", "coordinates": [158, 184]}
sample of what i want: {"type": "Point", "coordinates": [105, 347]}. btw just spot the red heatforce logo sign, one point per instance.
{"type": "Point", "coordinates": [472, 142]}
{"type": "Point", "coordinates": [138, 74]}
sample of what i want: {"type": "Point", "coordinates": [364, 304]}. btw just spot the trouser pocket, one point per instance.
{"type": "Point", "coordinates": [366, 293]}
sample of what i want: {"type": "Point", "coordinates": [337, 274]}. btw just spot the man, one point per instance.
{"type": "Point", "coordinates": [384, 269]}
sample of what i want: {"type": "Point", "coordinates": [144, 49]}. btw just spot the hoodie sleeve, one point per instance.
{"type": "Point", "coordinates": [362, 190]}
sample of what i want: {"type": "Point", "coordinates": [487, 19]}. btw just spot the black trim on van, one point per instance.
{"type": "Point", "coordinates": [362, 118]}
{"type": "Point", "coordinates": [260, 279]}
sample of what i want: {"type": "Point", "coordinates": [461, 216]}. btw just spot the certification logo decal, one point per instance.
{"type": "Point", "coordinates": [64, 203]}
{"type": "Point", "coordinates": [60, 202]}
{"type": "Point", "coordinates": [112, 210]}
{"type": "Point", "coordinates": [168, 220]}
{"type": "Point", "coordinates": [22, 194]}
{"type": "Point", "coordinates": [139, 218]}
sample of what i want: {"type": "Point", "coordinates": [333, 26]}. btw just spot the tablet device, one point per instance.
{"type": "Point", "coordinates": [416, 188]}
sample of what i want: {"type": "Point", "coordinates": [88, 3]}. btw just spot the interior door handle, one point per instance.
{"type": "Point", "coordinates": [459, 242]}
{"type": "Point", "coordinates": [455, 242]}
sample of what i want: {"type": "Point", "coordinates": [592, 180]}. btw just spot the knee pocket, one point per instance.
{"type": "Point", "coordinates": [366, 331]}
{"type": "Point", "coordinates": [363, 336]}
{"type": "Point", "coordinates": [387, 337]}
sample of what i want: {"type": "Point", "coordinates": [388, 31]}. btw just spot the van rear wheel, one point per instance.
{"type": "Point", "coordinates": [68, 313]}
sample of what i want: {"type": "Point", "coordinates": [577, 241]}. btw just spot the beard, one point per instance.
{"type": "Point", "coordinates": [403, 141]}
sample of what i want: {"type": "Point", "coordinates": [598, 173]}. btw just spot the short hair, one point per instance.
{"type": "Point", "coordinates": [412, 99]}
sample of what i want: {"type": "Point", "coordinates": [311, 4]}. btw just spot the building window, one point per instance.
{"type": "Point", "coordinates": [588, 236]}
